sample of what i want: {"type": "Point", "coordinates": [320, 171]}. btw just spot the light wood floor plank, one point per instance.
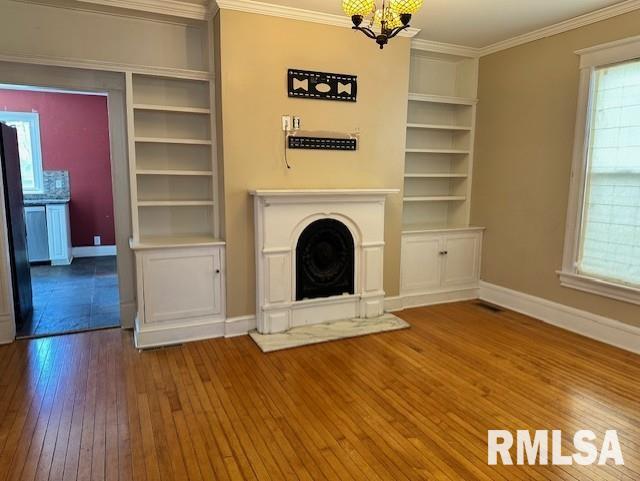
{"type": "Point", "coordinates": [401, 406]}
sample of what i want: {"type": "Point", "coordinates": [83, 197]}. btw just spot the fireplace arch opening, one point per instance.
{"type": "Point", "coordinates": [325, 260]}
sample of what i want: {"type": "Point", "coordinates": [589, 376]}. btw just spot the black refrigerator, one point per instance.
{"type": "Point", "coordinates": [14, 205]}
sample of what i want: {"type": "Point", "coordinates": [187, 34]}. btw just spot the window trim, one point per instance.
{"type": "Point", "coordinates": [33, 118]}
{"type": "Point", "coordinates": [591, 59]}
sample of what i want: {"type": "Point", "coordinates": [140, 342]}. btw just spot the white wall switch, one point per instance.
{"type": "Point", "coordinates": [286, 123]}
{"type": "Point", "coordinates": [97, 240]}
{"type": "Point", "coordinates": [297, 122]}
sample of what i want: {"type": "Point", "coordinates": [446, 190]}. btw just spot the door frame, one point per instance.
{"type": "Point", "coordinates": [82, 81]}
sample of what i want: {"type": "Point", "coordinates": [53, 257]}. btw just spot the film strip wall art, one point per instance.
{"type": "Point", "coordinates": [322, 86]}
{"type": "Point", "coordinates": [321, 143]}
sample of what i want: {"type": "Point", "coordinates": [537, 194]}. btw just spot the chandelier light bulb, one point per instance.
{"type": "Point", "coordinates": [391, 18]}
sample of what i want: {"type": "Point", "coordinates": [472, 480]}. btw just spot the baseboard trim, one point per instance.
{"type": "Point", "coordinates": [239, 326]}
{"type": "Point", "coordinates": [178, 334]}
{"type": "Point", "coordinates": [93, 251]}
{"type": "Point", "coordinates": [407, 301]}
{"type": "Point", "coordinates": [7, 329]}
{"type": "Point", "coordinates": [581, 322]}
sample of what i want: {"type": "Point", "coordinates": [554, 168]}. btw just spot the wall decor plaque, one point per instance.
{"type": "Point", "coordinates": [322, 85]}
{"type": "Point", "coordinates": [321, 143]}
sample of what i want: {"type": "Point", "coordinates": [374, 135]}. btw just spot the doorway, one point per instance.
{"type": "Point", "coordinates": [67, 202]}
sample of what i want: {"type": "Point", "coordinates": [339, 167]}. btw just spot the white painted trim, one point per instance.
{"type": "Point", "coordinates": [107, 66]}
{"type": "Point", "coordinates": [448, 48]}
{"type": "Point", "coordinates": [172, 8]}
{"type": "Point", "coordinates": [581, 322]}
{"type": "Point", "coordinates": [161, 336]}
{"type": "Point", "coordinates": [128, 313]}
{"type": "Point", "coordinates": [7, 329]}
{"type": "Point", "coordinates": [571, 24]}
{"type": "Point", "coordinates": [242, 325]}
{"type": "Point", "coordinates": [239, 326]}
{"type": "Point", "coordinates": [294, 13]}
{"type": "Point", "coordinates": [609, 53]}
{"type": "Point", "coordinates": [618, 291]}
{"type": "Point", "coordinates": [28, 88]}
{"type": "Point", "coordinates": [94, 251]}
{"type": "Point", "coordinates": [408, 301]}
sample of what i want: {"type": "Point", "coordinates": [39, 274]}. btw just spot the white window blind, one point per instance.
{"type": "Point", "coordinates": [610, 240]}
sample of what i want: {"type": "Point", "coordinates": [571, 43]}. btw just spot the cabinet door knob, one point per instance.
{"type": "Point", "coordinates": [217, 271]}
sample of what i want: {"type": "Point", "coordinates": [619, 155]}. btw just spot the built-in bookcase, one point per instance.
{"type": "Point", "coordinates": [440, 133]}
{"type": "Point", "coordinates": [173, 172]}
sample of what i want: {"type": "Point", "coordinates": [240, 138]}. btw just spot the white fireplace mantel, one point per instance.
{"type": "Point", "coordinates": [280, 217]}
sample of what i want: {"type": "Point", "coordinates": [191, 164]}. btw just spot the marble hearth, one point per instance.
{"type": "Point", "coordinates": [281, 217]}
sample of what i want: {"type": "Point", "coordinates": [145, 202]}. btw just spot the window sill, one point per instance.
{"type": "Point", "coordinates": [592, 285]}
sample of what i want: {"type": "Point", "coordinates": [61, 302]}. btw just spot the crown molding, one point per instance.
{"type": "Point", "coordinates": [294, 13]}
{"type": "Point", "coordinates": [171, 8]}
{"type": "Point", "coordinates": [448, 48]}
{"type": "Point", "coordinates": [571, 24]}
{"type": "Point", "coordinates": [102, 65]}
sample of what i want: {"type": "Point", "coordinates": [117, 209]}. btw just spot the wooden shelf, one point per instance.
{"type": "Point", "coordinates": [436, 176]}
{"type": "Point", "coordinates": [157, 242]}
{"type": "Point", "coordinates": [435, 198]}
{"type": "Point", "coordinates": [427, 227]}
{"type": "Point", "coordinates": [441, 99]}
{"type": "Point", "coordinates": [438, 127]}
{"type": "Point", "coordinates": [438, 151]}
{"type": "Point", "coordinates": [174, 203]}
{"type": "Point", "coordinates": [172, 108]}
{"type": "Point", "coordinates": [163, 140]}
{"type": "Point", "coordinates": [201, 173]}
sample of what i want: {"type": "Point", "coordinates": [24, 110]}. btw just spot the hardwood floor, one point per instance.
{"type": "Point", "coordinates": [407, 405]}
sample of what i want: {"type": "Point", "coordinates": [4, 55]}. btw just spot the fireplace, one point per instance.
{"type": "Point", "coordinates": [324, 260]}
{"type": "Point", "coordinates": [319, 256]}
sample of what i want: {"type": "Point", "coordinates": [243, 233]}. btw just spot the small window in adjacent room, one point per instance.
{"type": "Point", "coordinates": [602, 245]}
{"type": "Point", "coordinates": [28, 126]}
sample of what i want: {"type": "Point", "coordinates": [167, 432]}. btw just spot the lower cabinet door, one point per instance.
{"type": "Point", "coordinates": [421, 263]}
{"type": "Point", "coordinates": [461, 261]}
{"type": "Point", "coordinates": [182, 284]}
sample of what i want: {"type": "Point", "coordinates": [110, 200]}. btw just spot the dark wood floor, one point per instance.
{"type": "Point", "coordinates": [408, 405]}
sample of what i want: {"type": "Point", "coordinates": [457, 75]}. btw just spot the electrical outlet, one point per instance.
{"type": "Point", "coordinates": [97, 240]}
{"type": "Point", "coordinates": [286, 123]}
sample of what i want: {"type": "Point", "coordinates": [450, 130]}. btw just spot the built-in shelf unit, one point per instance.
{"type": "Point", "coordinates": [180, 261]}
{"type": "Point", "coordinates": [440, 253]}
{"type": "Point", "coordinates": [173, 172]}
{"type": "Point", "coordinates": [440, 132]}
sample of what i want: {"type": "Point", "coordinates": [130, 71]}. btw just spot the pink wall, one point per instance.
{"type": "Point", "coordinates": [74, 132]}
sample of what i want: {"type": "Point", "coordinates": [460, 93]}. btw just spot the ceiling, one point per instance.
{"type": "Point", "coordinates": [476, 23]}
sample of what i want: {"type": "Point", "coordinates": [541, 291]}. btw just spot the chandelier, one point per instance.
{"type": "Point", "coordinates": [390, 19]}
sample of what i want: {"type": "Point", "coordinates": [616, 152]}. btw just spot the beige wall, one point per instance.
{"type": "Point", "coordinates": [256, 53]}
{"type": "Point", "coordinates": [526, 118]}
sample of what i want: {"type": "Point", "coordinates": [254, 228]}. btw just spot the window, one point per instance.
{"type": "Point", "coordinates": [602, 246]}
{"type": "Point", "coordinates": [28, 126]}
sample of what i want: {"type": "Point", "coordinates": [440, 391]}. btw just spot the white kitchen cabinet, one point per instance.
{"type": "Point", "coordinates": [440, 266]}
{"type": "Point", "coordinates": [180, 294]}
{"type": "Point", "coordinates": [59, 234]}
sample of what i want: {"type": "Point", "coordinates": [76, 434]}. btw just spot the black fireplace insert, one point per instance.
{"type": "Point", "coordinates": [324, 260]}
